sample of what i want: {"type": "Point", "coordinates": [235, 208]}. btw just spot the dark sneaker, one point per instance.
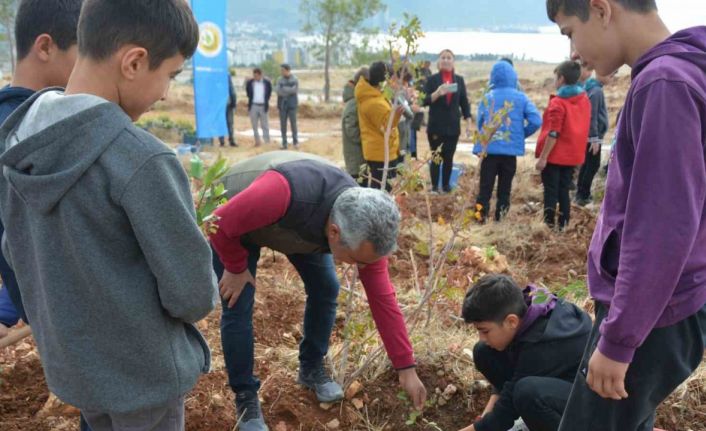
{"type": "Point", "coordinates": [318, 380]}
{"type": "Point", "coordinates": [249, 412]}
{"type": "Point", "coordinates": [582, 202]}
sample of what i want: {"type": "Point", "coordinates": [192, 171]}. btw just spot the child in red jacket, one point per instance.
{"type": "Point", "coordinates": [562, 141]}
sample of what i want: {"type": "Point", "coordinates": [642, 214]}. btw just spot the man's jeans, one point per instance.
{"type": "Point", "coordinates": [321, 284]}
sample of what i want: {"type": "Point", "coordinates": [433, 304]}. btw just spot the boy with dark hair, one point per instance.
{"type": "Point", "coordinates": [596, 133]}
{"type": "Point", "coordinates": [562, 141]}
{"type": "Point", "coordinates": [530, 347]}
{"type": "Point", "coordinates": [647, 260]}
{"type": "Point", "coordinates": [45, 37]}
{"type": "Point", "coordinates": [101, 227]}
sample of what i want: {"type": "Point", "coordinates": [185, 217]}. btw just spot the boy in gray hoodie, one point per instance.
{"type": "Point", "coordinates": [100, 224]}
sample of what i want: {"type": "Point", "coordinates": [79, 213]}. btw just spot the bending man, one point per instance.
{"type": "Point", "coordinates": [314, 213]}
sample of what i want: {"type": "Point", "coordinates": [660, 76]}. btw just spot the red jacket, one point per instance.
{"type": "Point", "coordinates": [571, 117]}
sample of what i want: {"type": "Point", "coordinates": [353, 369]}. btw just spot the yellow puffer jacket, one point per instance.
{"type": "Point", "coordinates": [373, 114]}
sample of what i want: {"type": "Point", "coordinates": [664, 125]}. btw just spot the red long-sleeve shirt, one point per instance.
{"type": "Point", "coordinates": [263, 204]}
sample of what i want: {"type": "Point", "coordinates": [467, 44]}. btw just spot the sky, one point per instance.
{"type": "Point", "coordinates": [549, 45]}
{"type": "Point", "coordinates": [679, 14]}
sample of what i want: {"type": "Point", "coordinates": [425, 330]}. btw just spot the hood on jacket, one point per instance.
{"type": "Point", "coordinates": [688, 44]}
{"type": "Point", "coordinates": [348, 92]}
{"type": "Point", "coordinates": [564, 320]}
{"type": "Point", "coordinates": [364, 91]}
{"type": "Point", "coordinates": [503, 75]}
{"type": "Point", "coordinates": [15, 95]}
{"type": "Point", "coordinates": [591, 83]}
{"type": "Point", "coordinates": [43, 167]}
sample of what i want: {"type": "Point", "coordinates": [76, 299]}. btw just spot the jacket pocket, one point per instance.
{"type": "Point", "coordinates": [609, 257]}
{"type": "Point", "coordinates": [194, 332]}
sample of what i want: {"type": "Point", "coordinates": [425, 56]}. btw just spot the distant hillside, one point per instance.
{"type": "Point", "coordinates": [284, 14]}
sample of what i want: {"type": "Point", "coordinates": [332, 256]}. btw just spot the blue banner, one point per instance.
{"type": "Point", "coordinates": [211, 69]}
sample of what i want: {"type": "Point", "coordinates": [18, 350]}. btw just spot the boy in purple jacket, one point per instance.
{"type": "Point", "coordinates": [647, 260]}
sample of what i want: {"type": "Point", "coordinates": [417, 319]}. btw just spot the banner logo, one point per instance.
{"type": "Point", "coordinates": [211, 41]}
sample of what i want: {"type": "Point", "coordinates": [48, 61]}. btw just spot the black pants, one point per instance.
{"type": "Point", "coordinates": [448, 149]}
{"type": "Point", "coordinates": [587, 173]}
{"type": "Point", "coordinates": [376, 171]}
{"type": "Point", "coordinates": [665, 360]}
{"type": "Point", "coordinates": [539, 401]}
{"type": "Point", "coordinates": [504, 168]}
{"type": "Point", "coordinates": [557, 180]}
{"type": "Point", "coordinates": [229, 123]}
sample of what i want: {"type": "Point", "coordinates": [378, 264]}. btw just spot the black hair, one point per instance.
{"type": "Point", "coordinates": [57, 18]}
{"type": "Point", "coordinates": [164, 28]}
{"type": "Point", "coordinates": [581, 8]}
{"type": "Point", "coordinates": [377, 73]}
{"type": "Point", "coordinates": [508, 60]}
{"type": "Point", "coordinates": [492, 299]}
{"type": "Point", "coordinates": [257, 71]}
{"type": "Point", "coordinates": [570, 71]}
{"type": "Point", "coordinates": [286, 67]}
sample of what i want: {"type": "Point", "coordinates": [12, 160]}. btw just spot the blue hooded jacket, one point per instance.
{"type": "Point", "coordinates": [10, 301]}
{"type": "Point", "coordinates": [525, 118]}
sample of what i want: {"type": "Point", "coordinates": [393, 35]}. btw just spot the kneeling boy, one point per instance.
{"type": "Point", "coordinates": [530, 348]}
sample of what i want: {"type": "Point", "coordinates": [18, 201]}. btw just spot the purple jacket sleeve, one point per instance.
{"type": "Point", "coordinates": [665, 201]}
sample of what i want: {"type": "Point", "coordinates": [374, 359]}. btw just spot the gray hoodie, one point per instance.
{"type": "Point", "coordinates": [113, 270]}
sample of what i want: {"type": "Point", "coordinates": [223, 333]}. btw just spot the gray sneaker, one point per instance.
{"type": "Point", "coordinates": [249, 412]}
{"type": "Point", "coordinates": [318, 380]}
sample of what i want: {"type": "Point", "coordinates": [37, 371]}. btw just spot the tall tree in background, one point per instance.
{"type": "Point", "coordinates": [8, 10]}
{"type": "Point", "coordinates": [334, 21]}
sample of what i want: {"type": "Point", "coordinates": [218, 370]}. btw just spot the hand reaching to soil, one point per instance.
{"type": "Point", "coordinates": [4, 330]}
{"type": "Point", "coordinates": [232, 285]}
{"type": "Point", "coordinates": [414, 387]}
{"type": "Point", "coordinates": [606, 377]}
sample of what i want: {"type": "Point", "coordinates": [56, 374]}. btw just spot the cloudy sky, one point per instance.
{"type": "Point", "coordinates": [680, 14]}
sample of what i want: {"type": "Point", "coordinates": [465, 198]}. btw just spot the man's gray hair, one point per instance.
{"type": "Point", "coordinates": [365, 214]}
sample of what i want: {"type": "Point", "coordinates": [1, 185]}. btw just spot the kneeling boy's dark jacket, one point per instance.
{"type": "Point", "coordinates": [101, 232]}
{"type": "Point", "coordinates": [549, 343]}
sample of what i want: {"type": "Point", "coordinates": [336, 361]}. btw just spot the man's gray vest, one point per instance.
{"type": "Point", "coordinates": [315, 183]}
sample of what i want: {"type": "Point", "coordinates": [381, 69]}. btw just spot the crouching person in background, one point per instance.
{"type": "Point", "coordinates": [530, 348]}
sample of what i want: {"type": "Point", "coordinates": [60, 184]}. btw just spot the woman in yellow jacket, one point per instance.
{"type": "Point", "coordinates": [374, 112]}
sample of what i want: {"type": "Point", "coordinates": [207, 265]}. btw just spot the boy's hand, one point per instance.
{"type": "Point", "coordinates": [414, 387]}
{"type": "Point", "coordinates": [596, 148]}
{"type": "Point", "coordinates": [491, 404]}
{"type": "Point", "coordinates": [606, 377]}
{"type": "Point", "coordinates": [4, 331]}
{"type": "Point", "coordinates": [232, 285]}
{"type": "Point", "coordinates": [469, 428]}
{"type": "Point", "coordinates": [541, 164]}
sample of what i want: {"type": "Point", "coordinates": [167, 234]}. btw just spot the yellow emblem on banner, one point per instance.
{"type": "Point", "coordinates": [211, 41]}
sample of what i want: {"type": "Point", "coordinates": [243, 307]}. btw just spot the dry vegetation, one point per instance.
{"type": "Point", "coordinates": [521, 245]}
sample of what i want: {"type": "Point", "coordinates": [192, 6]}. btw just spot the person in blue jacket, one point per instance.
{"type": "Point", "coordinates": [508, 142]}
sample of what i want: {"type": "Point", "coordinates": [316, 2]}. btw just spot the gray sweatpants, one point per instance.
{"type": "Point", "coordinates": [165, 418]}
{"type": "Point", "coordinates": [258, 116]}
